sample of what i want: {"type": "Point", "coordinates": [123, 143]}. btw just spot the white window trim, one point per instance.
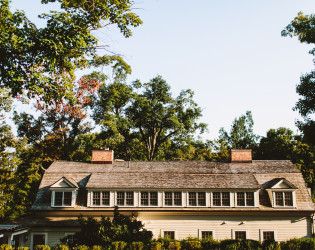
{"type": "Point", "coordinates": [205, 230]}
{"type": "Point", "coordinates": [187, 198]}
{"type": "Point", "coordinates": [283, 190]}
{"type": "Point", "coordinates": [254, 196]}
{"type": "Point", "coordinates": [125, 198]}
{"type": "Point", "coordinates": [139, 199]}
{"type": "Point", "coordinates": [261, 234]}
{"type": "Point", "coordinates": [182, 197]}
{"type": "Point", "coordinates": [73, 197]}
{"type": "Point", "coordinates": [169, 230]}
{"type": "Point", "coordinates": [240, 230]}
{"type": "Point", "coordinates": [101, 194]}
{"type": "Point", "coordinates": [230, 193]}
{"type": "Point", "coordinates": [32, 238]}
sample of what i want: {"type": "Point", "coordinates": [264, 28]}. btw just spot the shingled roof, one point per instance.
{"type": "Point", "coordinates": [182, 175]}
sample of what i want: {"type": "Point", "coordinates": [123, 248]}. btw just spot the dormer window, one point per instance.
{"type": "Point", "coordinates": [281, 193]}
{"type": "Point", "coordinates": [63, 192]}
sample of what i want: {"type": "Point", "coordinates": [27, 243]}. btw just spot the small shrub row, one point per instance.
{"type": "Point", "coordinates": [188, 244]}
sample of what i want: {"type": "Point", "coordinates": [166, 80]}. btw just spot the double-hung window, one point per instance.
{"type": "Point", "coordinates": [283, 199]}
{"type": "Point", "coordinates": [62, 199]}
{"type": "Point", "coordinates": [101, 198]}
{"type": "Point", "coordinates": [245, 199]}
{"type": "Point", "coordinates": [149, 199]}
{"type": "Point", "coordinates": [196, 198]}
{"type": "Point", "coordinates": [172, 198]}
{"type": "Point", "coordinates": [221, 199]}
{"type": "Point", "coordinates": [125, 199]}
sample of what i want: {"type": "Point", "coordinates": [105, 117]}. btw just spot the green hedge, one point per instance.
{"type": "Point", "coordinates": [61, 247]}
{"type": "Point", "coordinates": [6, 247]}
{"type": "Point", "coordinates": [119, 245]}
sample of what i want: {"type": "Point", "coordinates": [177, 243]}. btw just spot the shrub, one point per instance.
{"type": "Point", "coordinates": [81, 247]}
{"type": "Point", "coordinates": [174, 245]}
{"type": "Point", "coordinates": [22, 248]}
{"type": "Point", "coordinates": [97, 248]}
{"type": "Point", "coordinates": [42, 247]}
{"type": "Point", "coordinates": [164, 241]}
{"type": "Point", "coordinates": [61, 247]}
{"type": "Point", "coordinates": [155, 245]}
{"type": "Point", "coordinates": [304, 244]}
{"type": "Point", "coordinates": [119, 245]}
{"type": "Point", "coordinates": [270, 245]}
{"type": "Point", "coordinates": [210, 243]}
{"type": "Point", "coordinates": [191, 244]}
{"type": "Point", "coordinates": [137, 245]}
{"type": "Point", "coordinates": [6, 247]}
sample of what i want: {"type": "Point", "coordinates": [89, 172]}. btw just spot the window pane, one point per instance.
{"type": "Point", "coordinates": [240, 235]}
{"type": "Point", "coordinates": [216, 199]}
{"type": "Point", "coordinates": [144, 198]}
{"type": "Point", "coordinates": [168, 199]}
{"type": "Point", "coordinates": [67, 197]}
{"type": "Point", "coordinates": [268, 235]}
{"type": "Point", "coordinates": [249, 199]}
{"type": "Point", "coordinates": [288, 198]}
{"type": "Point", "coordinates": [58, 198]}
{"type": "Point", "coordinates": [240, 199]}
{"type": "Point", "coordinates": [153, 199]}
{"type": "Point", "coordinates": [121, 198]}
{"type": "Point", "coordinates": [96, 198]}
{"type": "Point", "coordinates": [129, 198]}
{"type": "Point", "coordinates": [105, 198]}
{"type": "Point", "coordinates": [177, 198]}
{"type": "Point", "coordinates": [206, 234]}
{"type": "Point", "coordinates": [279, 198]}
{"type": "Point", "coordinates": [225, 199]}
{"type": "Point", "coordinates": [201, 199]}
{"type": "Point", "coordinates": [169, 234]}
{"type": "Point", "coordinates": [192, 199]}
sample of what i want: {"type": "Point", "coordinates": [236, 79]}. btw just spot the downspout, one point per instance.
{"type": "Point", "coordinates": [312, 225]}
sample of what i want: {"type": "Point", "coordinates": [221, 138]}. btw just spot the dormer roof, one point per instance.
{"type": "Point", "coordinates": [280, 183]}
{"type": "Point", "coordinates": [65, 182]}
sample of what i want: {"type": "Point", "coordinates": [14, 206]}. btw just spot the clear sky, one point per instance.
{"type": "Point", "coordinates": [230, 53]}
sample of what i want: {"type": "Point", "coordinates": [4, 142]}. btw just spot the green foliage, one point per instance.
{"type": "Point", "coordinates": [41, 247]}
{"type": "Point", "coordinates": [97, 248]}
{"type": "Point", "coordinates": [63, 247]}
{"type": "Point", "coordinates": [191, 244]}
{"type": "Point", "coordinates": [40, 62]}
{"type": "Point", "coordinates": [119, 245]}
{"type": "Point", "coordinates": [174, 245]}
{"type": "Point", "coordinates": [303, 244]}
{"type": "Point", "coordinates": [81, 247]}
{"type": "Point", "coordinates": [155, 245]}
{"type": "Point", "coordinates": [137, 245]}
{"type": "Point", "coordinates": [210, 243]}
{"type": "Point", "coordinates": [22, 248]}
{"type": "Point", "coordinates": [146, 113]}
{"type": "Point", "coordinates": [270, 245]}
{"type": "Point", "coordinates": [104, 232]}
{"type": "Point", "coordinates": [6, 247]}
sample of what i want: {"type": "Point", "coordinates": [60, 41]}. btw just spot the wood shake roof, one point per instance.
{"type": "Point", "coordinates": [184, 175]}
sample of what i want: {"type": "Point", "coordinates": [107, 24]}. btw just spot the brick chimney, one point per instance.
{"type": "Point", "coordinates": [241, 155]}
{"type": "Point", "coordinates": [102, 157]}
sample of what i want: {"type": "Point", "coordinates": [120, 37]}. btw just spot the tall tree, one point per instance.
{"type": "Point", "coordinates": [303, 26]}
{"type": "Point", "coordinates": [241, 135]}
{"type": "Point", "coordinates": [148, 112]}
{"type": "Point", "coordinates": [41, 62]}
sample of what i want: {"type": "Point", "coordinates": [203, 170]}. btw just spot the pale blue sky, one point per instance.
{"type": "Point", "coordinates": [230, 53]}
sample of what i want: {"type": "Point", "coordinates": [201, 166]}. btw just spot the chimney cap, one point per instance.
{"type": "Point", "coordinates": [241, 155]}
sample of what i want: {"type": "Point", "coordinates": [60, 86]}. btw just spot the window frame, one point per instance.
{"type": "Point", "coordinates": [245, 199]}
{"type": "Point", "coordinates": [125, 198]}
{"type": "Point", "coordinates": [149, 199]}
{"type": "Point", "coordinates": [38, 233]}
{"type": "Point", "coordinates": [261, 234]}
{"type": "Point", "coordinates": [169, 230]}
{"type": "Point", "coordinates": [197, 198]}
{"type": "Point", "coordinates": [53, 198]}
{"type": "Point", "coordinates": [101, 198]}
{"type": "Point", "coordinates": [212, 203]}
{"type": "Point", "coordinates": [200, 231]}
{"type": "Point", "coordinates": [173, 199]}
{"type": "Point", "coordinates": [239, 230]}
{"type": "Point", "coordinates": [283, 198]}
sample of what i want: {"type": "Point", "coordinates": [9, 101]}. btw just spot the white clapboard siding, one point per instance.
{"type": "Point", "coordinates": [223, 226]}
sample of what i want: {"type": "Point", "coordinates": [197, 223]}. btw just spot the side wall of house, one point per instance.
{"type": "Point", "coordinates": [224, 227]}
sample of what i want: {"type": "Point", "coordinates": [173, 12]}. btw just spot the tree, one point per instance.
{"type": "Point", "coordinates": [147, 112]}
{"type": "Point", "coordinates": [303, 26]}
{"type": "Point", "coordinates": [104, 232]}
{"type": "Point", "coordinates": [241, 135]}
{"type": "Point", "coordinates": [41, 62]}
